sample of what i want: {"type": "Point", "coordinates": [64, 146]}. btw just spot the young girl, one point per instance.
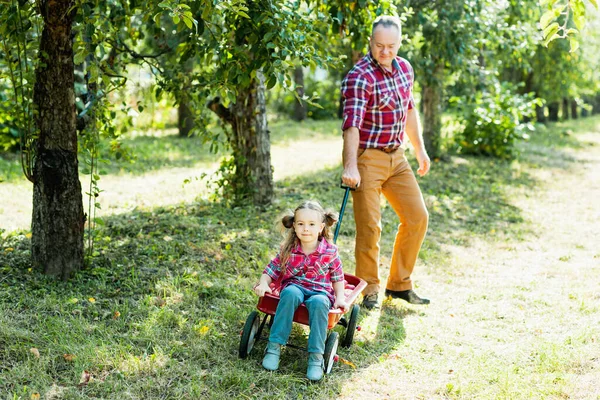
{"type": "Point", "coordinates": [310, 272]}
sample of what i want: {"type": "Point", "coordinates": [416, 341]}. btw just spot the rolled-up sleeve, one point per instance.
{"type": "Point", "coordinates": [411, 100]}
{"type": "Point", "coordinates": [274, 268]}
{"type": "Point", "coordinates": [356, 91]}
{"type": "Point", "coordinates": [335, 269]}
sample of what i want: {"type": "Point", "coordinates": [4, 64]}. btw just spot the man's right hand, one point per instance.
{"type": "Point", "coordinates": [351, 177]}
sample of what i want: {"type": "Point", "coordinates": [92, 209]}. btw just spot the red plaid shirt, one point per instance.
{"type": "Point", "coordinates": [315, 271]}
{"type": "Point", "coordinates": [376, 101]}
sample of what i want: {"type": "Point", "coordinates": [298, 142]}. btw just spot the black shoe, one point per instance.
{"type": "Point", "coordinates": [370, 301]}
{"type": "Point", "coordinates": [406, 295]}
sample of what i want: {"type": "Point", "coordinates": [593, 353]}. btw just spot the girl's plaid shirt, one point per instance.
{"type": "Point", "coordinates": [376, 101]}
{"type": "Point", "coordinates": [315, 271]}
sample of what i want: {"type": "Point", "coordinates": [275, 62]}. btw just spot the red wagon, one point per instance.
{"type": "Point", "coordinates": [268, 305]}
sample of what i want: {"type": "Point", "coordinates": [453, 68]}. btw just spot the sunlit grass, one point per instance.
{"type": "Point", "coordinates": [171, 290]}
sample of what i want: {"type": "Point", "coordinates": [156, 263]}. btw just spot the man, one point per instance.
{"type": "Point", "coordinates": [378, 111]}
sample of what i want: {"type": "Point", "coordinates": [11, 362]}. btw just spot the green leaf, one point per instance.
{"type": "Point", "coordinates": [188, 22]}
{"type": "Point", "coordinates": [79, 57]}
{"type": "Point", "coordinates": [551, 29]}
{"type": "Point", "coordinates": [574, 44]}
{"type": "Point", "coordinates": [594, 3]}
{"type": "Point", "coordinates": [176, 19]}
{"type": "Point", "coordinates": [547, 17]}
{"type": "Point", "coordinates": [243, 14]}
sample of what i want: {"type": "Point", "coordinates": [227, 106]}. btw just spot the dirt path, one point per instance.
{"type": "Point", "coordinates": [506, 309]}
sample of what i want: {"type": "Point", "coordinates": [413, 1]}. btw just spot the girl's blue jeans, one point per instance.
{"type": "Point", "coordinates": [318, 305]}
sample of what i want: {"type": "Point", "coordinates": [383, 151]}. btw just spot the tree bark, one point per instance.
{"type": "Point", "coordinates": [539, 114]}
{"type": "Point", "coordinates": [553, 111]}
{"type": "Point", "coordinates": [185, 117]}
{"type": "Point", "coordinates": [299, 106]}
{"type": "Point", "coordinates": [431, 103]}
{"type": "Point", "coordinates": [574, 113]}
{"type": "Point", "coordinates": [565, 109]}
{"type": "Point", "coordinates": [250, 143]}
{"type": "Point", "coordinates": [58, 220]}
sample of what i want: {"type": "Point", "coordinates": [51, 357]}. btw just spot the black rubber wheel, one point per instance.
{"type": "Point", "coordinates": [331, 345]}
{"type": "Point", "coordinates": [249, 334]}
{"type": "Point", "coordinates": [351, 328]}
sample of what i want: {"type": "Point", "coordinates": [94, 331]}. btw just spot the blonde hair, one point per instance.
{"type": "Point", "coordinates": [286, 226]}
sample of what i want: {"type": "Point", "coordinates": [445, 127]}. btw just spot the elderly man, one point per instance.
{"type": "Point", "coordinates": [378, 111]}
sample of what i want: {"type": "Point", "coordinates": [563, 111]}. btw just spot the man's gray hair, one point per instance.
{"type": "Point", "coordinates": [386, 21]}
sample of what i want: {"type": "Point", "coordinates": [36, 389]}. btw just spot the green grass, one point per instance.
{"type": "Point", "coordinates": [158, 313]}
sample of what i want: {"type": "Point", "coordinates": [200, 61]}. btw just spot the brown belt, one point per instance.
{"type": "Point", "coordinates": [388, 149]}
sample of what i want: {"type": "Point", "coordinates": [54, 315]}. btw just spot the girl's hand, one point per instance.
{"type": "Point", "coordinates": [261, 288]}
{"type": "Point", "coordinates": [340, 303]}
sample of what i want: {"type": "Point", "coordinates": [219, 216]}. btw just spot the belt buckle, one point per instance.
{"type": "Point", "coordinates": [389, 149]}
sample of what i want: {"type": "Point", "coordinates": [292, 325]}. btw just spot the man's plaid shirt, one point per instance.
{"type": "Point", "coordinates": [315, 271]}
{"type": "Point", "coordinates": [376, 101]}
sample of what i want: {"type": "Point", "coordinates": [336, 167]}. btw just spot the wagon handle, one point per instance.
{"type": "Point", "coordinates": [342, 209]}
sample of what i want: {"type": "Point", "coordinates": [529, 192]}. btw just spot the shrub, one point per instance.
{"type": "Point", "coordinates": [494, 121]}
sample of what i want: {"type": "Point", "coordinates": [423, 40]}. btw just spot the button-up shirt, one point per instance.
{"type": "Point", "coordinates": [376, 101]}
{"type": "Point", "coordinates": [315, 271]}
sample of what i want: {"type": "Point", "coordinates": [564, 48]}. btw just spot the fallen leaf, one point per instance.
{"type": "Point", "coordinates": [92, 300]}
{"type": "Point", "coordinates": [167, 238]}
{"type": "Point", "coordinates": [85, 378]}
{"type": "Point", "coordinates": [8, 249]}
{"type": "Point", "coordinates": [28, 236]}
{"type": "Point", "coordinates": [348, 363]}
{"type": "Point", "coordinates": [35, 352]}
{"type": "Point", "coordinates": [69, 357]}
{"type": "Point", "coordinates": [35, 396]}
{"type": "Point", "coordinates": [116, 315]}
{"type": "Point", "coordinates": [203, 330]}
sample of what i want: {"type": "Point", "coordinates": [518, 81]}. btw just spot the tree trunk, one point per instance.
{"type": "Point", "coordinates": [299, 106]}
{"type": "Point", "coordinates": [553, 111]}
{"type": "Point", "coordinates": [565, 109]}
{"type": "Point", "coordinates": [574, 113]}
{"type": "Point", "coordinates": [539, 114]}
{"type": "Point", "coordinates": [185, 117]}
{"type": "Point", "coordinates": [431, 103]}
{"type": "Point", "coordinates": [58, 220]}
{"type": "Point", "coordinates": [250, 143]}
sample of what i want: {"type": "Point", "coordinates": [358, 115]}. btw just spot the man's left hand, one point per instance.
{"type": "Point", "coordinates": [424, 162]}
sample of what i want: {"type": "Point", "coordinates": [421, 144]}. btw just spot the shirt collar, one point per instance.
{"type": "Point", "coordinates": [395, 64]}
{"type": "Point", "coordinates": [321, 247]}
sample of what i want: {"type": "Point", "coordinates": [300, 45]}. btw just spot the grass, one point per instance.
{"type": "Point", "coordinates": [158, 313]}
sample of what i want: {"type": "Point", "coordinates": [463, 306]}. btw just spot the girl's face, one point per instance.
{"type": "Point", "coordinates": [308, 225]}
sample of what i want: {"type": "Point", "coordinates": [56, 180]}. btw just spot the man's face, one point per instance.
{"type": "Point", "coordinates": [385, 44]}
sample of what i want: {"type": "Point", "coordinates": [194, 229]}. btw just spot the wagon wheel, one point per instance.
{"type": "Point", "coordinates": [351, 328]}
{"type": "Point", "coordinates": [249, 334]}
{"type": "Point", "coordinates": [331, 346]}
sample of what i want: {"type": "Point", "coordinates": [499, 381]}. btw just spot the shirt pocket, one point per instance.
{"type": "Point", "coordinates": [387, 101]}
{"type": "Point", "coordinates": [321, 268]}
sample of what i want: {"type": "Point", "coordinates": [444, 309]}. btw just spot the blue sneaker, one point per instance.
{"type": "Point", "coordinates": [271, 360]}
{"type": "Point", "coordinates": [316, 366]}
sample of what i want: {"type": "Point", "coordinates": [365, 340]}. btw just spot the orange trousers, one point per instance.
{"type": "Point", "coordinates": [390, 174]}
